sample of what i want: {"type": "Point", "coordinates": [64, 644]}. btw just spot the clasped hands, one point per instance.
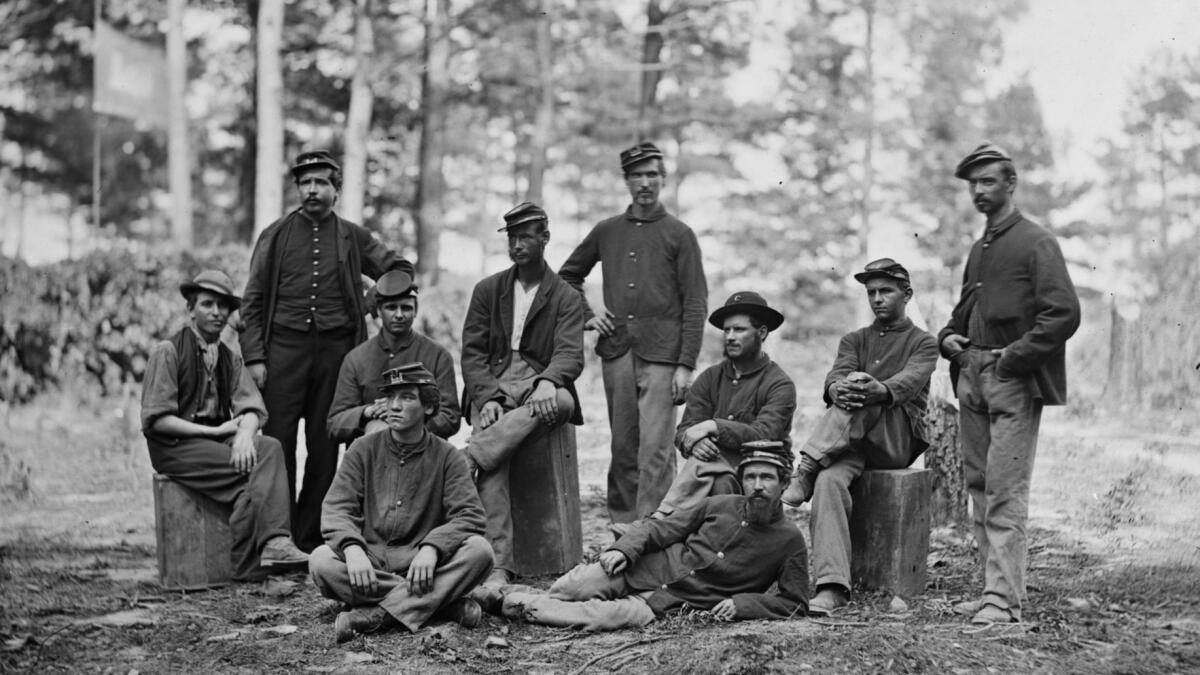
{"type": "Point", "coordinates": [700, 440]}
{"type": "Point", "coordinates": [856, 390]}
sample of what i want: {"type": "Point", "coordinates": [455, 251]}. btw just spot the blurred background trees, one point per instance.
{"type": "Point", "coordinates": [804, 138]}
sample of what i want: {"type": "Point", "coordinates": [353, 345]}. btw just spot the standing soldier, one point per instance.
{"type": "Point", "coordinates": [1006, 342]}
{"type": "Point", "coordinates": [303, 313]}
{"type": "Point", "coordinates": [655, 298]}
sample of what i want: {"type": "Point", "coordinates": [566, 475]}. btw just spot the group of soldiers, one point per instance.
{"type": "Point", "coordinates": [408, 528]}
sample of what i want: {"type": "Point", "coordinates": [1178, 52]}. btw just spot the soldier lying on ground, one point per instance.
{"type": "Point", "coordinates": [720, 555]}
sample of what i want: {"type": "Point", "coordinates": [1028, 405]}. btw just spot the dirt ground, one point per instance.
{"type": "Point", "coordinates": [1114, 582]}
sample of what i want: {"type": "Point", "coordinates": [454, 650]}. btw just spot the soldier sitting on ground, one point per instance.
{"type": "Point", "coordinates": [402, 523]}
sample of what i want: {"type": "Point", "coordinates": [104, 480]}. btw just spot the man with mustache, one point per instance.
{"type": "Point", "coordinates": [1006, 342]}
{"type": "Point", "coordinates": [655, 298]}
{"type": "Point", "coordinates": [303, 313]}
{"type": "Point", "coordinates": [358, 404]}
{"type": "Point", "coordinates": [522, 349]}
{"type": "Point", "coordinates": [201, 415]}
{"type": "Point", "coordinates": [402, 522]}
{"type": "Point", "coordinates": [745, 397]}
{"type": "Point", "coordinates": [720, 555]}
{"type": "Point", "coordinates": [876, 394]}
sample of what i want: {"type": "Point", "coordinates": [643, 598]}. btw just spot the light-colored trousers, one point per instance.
{"type": "Point", "coordinates": [698, 479]}
{"type": "Point", "coordinates": [492, 449]}
{"type": "Point", "coordinates": [453, 578]}
{"type": "Point", "coordinates": [641, 418]}
{"type": "Point", "coordinates": [999, 426]}
{"type": "Point", "coordinates": [585, 598]}
{"type": "Point", "coordinates": [844, 443]}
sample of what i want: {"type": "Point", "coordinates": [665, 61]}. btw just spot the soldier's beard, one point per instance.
{"type": "Point", "coordinates": [760, 510]}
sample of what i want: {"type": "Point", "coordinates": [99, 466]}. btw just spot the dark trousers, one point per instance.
{"type": "Point", "coordinates": [302, 371]}
{"type": "Point", "coordinates": [258, 499]}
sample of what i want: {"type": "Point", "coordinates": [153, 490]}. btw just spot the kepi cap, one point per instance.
{"type": "Point", "coordinates": [985, 153]}
{"type": "Point", "coordinates": [312, 160]}
{"type": "Point", "coordinates": [746, 302]}
{"type": "Point", "coordinates": [884, 268]}
{"type": "Point", "coordinates": [408, 374]}
{"type": "Point", "coordinates": [214, 281]}
{"type": "Point", "coordinates": [394, 284]}
{"type": "Point", "coordinates": [639, 153]}
{"type": "Point", "coordinates": [775, 453]}
{"type": "Point", "coordinates": [525, 212]}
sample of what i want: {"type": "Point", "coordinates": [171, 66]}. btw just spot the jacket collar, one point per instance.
{"type": "Point", "coordinates": [392, 345]}
{"type": "Point", "coordinates": [895, 328]}
{"type": "Point", "coordinates": [760, 363]}
{"type": "Point", "coordinates": [406, 450]}
{"type": "Point", "coordinates": [657, 214]}
{"type": "Point", "coordinates": [991, 233]}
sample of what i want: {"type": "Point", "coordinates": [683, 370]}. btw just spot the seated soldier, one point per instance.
{"type": "Point", "coordinates": [201, 414]}
{"type": "Point", "coordinates": [522, 348]}
{"type": "Point", "coordinates": [745, 397]}
{"type": "Point", "coordinates": [402, 523]}
{"type": "Point", "coordinates": [876, 393]}
{"type": "Point", "coordinates": [358, 404]}
{"type": "Point", "coordinates": [720, 555]}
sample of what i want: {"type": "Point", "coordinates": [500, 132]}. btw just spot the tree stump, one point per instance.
{"type": "Point", "coordinates": [889, 530]}
{"type": "Point", "coordinates": [544, 487]}
{"type": "Point", "coordinates": [945, 459]}
{"type": "Point", "coordinates": [192, 537]}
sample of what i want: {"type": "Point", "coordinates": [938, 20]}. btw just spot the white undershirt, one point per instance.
{"type": "Point", "coordinates": [522, 301]}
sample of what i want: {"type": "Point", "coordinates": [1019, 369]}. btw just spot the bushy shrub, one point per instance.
{"type": "Point", "coordinates": [95, 318]}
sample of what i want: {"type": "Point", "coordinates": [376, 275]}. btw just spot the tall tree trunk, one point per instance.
{"type": "Point", "coordinates": [544, 121]}
{"type": "Point", "coordinates": [431, 185]}
{"type": "Point", "coordinates": [268, 202]}
{"type": "Point", "coordinates": [249, 157]}
{"type": "Point", "coordinates": [864, 202]}
{"type": "Point", "coordinates": [180, 176]}
{"type": "Point", "coordinates": [358, 119]}
{"type": "Point", "coordinates": [651, 70]}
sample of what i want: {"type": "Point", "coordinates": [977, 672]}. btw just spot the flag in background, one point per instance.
{"type": "Point", "coordinates": [131, 77]}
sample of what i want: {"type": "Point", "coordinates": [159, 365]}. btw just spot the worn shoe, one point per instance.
{"type": "Point", "coordinates": [489, 598]}
{"type": "Point", "coordinates": [804, 480]}
{"type": "Point", "coordinates": [464, 611]}
{"type": "Point", "coordinates": [828, 598]}
{"type": "Point", "coordinates": [991, 614]}
{"type": "Point", "coordinates": [968, 608]}
{"type": "Point", "coordinates": [360, 620]}
{"type": "Point", "coordinates": [282, 552]}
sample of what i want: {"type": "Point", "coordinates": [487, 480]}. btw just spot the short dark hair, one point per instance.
{"type": "Point", "coordinates": [373, 302]}
{"type": "Point", "coordinates": [222, 301]}
{"type": "Point", "coordinates": [784, 474]}
{"type": "Point", "coordinates": [662, 167]}
{"type": "Point", "coordinates": [1008, 169]}
{"type": "Point", "coordinates": [428, 394]}
{"type": "Point", "coordinates": [335, 175]}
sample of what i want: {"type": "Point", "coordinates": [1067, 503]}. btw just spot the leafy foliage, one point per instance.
{"type": "Point", "coordinates": [96, 318]}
